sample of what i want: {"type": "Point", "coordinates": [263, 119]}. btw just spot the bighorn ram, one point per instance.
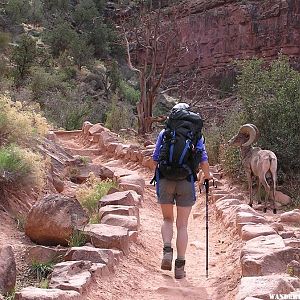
{"type": "Point", "coordinates": [257, 162]}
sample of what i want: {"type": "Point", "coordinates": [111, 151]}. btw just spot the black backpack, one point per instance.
{"type": "Point", "coordinates": [178, 158]}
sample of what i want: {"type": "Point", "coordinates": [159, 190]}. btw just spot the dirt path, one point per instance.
{"type": "Point", "coordinates": [139, 276]}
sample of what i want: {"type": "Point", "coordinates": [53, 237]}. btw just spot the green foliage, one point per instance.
{"type": "Point", "coordinates": [4, 40]}
{"type": "Point", "coordinates": [23, 57]}
{"type": "Point", "coordinates": [75, 116]}
{"type": "Point", "coordinates": [85, 13]}
{"type": "Point", "coordinates": [19, 165]}
{"type": "Point", "coordinates": [77, 239]}
{"type": "Point", "coordinates": [17, 10]}
{"type": "Point", "coordinates": [271, 99]}
{"type": "Point", "coordinates": [117, 117]}
{"type": "Point", "coordinates": [60, 38]}
{"type": "Point", "coordinates": [42, 269]}
{"type": "Point", "coordinates": [129, 93]}
{"type": "Point", "coordinates": [212, 144]}
{"type": "Point", "coordinates": [57, 5]}
{"type": "Point", "coordinates": [36, 11]}
{"type": "Point", "coordinates": [81, 52]}
{"type": "Point", "coordinates": [115, 76]}
{"type": "Point", "coordinates": [229, 156]}
{"type": "Point", "coordinates": [44, 283]}
{"type": "Point", "coordinates": [10, 296]}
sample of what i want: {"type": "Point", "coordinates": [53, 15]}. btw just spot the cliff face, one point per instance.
{"type": "Point", "coordinates": [217, 32]}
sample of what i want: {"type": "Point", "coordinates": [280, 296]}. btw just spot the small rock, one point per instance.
{"type": "Point", "coordinates": [251, 231]}
{"type": "Point", "coordinates": [8, 270]}
{"type": "Point", "coordinates": [129, 222]}
{"type": "Point", "coordinates": [291, 216]}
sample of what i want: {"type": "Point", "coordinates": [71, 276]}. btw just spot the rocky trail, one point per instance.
{"type": "Point", "coordinates": [251, 254]}
{"type": "Point", "coordinates": [139, 275]}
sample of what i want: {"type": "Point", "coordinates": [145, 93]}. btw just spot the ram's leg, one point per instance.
{"type": "Point", "coordinates": [259, 192]}
{"type": "Point", "coordinates": [274, 189]}
{"type": "Point", "coordinates": [267, 189]}
{"type": "Point", "coordinates": [249, 178]}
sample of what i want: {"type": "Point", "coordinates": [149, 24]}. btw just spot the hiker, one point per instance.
{"type": "Point", "coordinates": [180, 142]}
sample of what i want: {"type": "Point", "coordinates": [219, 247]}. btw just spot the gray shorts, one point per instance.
{"type": "Point", "coordinates": [181, 192]}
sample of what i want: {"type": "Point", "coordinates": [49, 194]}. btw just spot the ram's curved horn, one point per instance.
{"type": "Point", "coordinates": [250, 130]}
{"type": "Point", "coordinates": [257, 133]}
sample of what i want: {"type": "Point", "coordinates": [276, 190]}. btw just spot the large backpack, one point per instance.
{"type": "Point", "coordinates": [178, 157]}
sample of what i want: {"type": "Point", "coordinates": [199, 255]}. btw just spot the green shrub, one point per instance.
{"type": "Point", "coordinates": [19, 165]}
{"type": "Point", "coordinates": [118, 117]}
{"type": "Point", "coordinates": [129, 93]}
{"type": "Point", "coordinates": [4, 40]}
{"type": "Point", "coordinates": [229, 156]}
{"type": "Point", "coordinates": [271, 101]}
{"type": "Point", "coordinates": [84, 14]}
{"type": "Point", "coordinates": [42, 270]}
{"type": "Point", "coordinates": [90, 194]}
{"type": "Point", "coordinates": [17, 10]}
{"type": "Point", "coordinates": [212, 144]}
{"type": "Point", "coordinates": [20, 124]}
{"type": "Point", "coordinates": [77, 239]}
{"type": "Point", "coordinates": [23, 57]}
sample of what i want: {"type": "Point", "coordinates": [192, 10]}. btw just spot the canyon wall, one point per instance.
{"type": "Point", "coordinates": [217, 32]}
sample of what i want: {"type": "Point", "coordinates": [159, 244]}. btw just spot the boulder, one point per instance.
{"type": "Point", "coordinates": [51, 220]}
{"type": "Point", "coordinates": [293, 268]}
{"type": "Point", "coordinates": [251, 231]}
{"type": "Point", "coordinates": [8, 271]}
{"type": "Point", "coordinates": [95, 255]}
{"type": "Point", "coordinates": [121, 150]}
{"type": "Point", "coordinates": [107, 137]}
{"type": "Point", "coordinates": [129, 222]}
{"type": "Point", "coordinates": [97, 128]}
{"type": "Point", "coordinates": [291, 216]}
{"type": "Point", "coordinates": [129, 198]}
{"type": "Point", "coordinates": [33, 293]}
{"type": "Point", "coordinates": [108, 236]}
{"type": "Point", "coordinates": [149, 163]}
{"type": "Point", "coordinates": [262, 286]}
{"type": "Point", "coordinates": [132, 187]}
{"type": "Point", "coordinates": [44, 254]}
{"type": "Point", "coordinates": [282, 198]}
{"type": "Point", "coordinates": [86, 127]}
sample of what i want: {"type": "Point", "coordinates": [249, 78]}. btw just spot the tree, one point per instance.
{"type": "Point", "coordinates": [23, 57]}
{"type": "Point", "coordinates": [17, 10]}
{"type": "Point", "coordinates": [60, 38]}
{"type": "Point", "coordinates": [85, 13]}
{"type": "Point", "coordinates": [153, 41]}
{"type": "Point", "coordinates": [81, 52]}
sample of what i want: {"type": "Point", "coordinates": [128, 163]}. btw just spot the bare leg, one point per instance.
{"type": "Point", "coordinates": [167, 226]}
{"type": "Point", "coordinates": [183, 214]}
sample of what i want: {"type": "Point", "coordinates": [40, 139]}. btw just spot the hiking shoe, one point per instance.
{"type": "Point", "coordinates": [166, 263]}
{"type": "Point", "coordinates": [179, 269]}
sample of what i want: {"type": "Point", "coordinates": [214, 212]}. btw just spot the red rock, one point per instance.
{"type": "Point", "coordinates": [292, 242]}
{"type": "Point", "coordinates": [51, 220]}
{"type": "Point", "coordinates": [33, 293]}
{"type": "Point", "coordinates": [287, 234]}
{"type": "Point", "coordinates": [291, 216]}
{"type": "Point", "coordinates": [71, 275]}
{"type": "Point", "coordinates": [107, 137]}
{"type": "Point", "coordinates": [277, 226]}
{"type": "Point", "coordinates": [97, 128]}
{"type": "Point", "coordinates": [129, 222]}
{"type": "Point", "coordinates": [129, 198]}
{"type": "Point", "coordinates": [262, 286]}
{"type": "Point", "coordinates": [133, 236]}
{"type": "Point", "coordinates": [149, 163]}
{"type": "Point", "coordinates": [111, 148]}
{"type": "Point", "coordinates": [8, 271]}
{"type": "Point", "coordinates": [282, 198]}
{"type": "Point", "coordinates": [135, 179]}
{"type": "Point", "coordinates": [249, 232]}
{"type": "Point", "coordinates": [45, 254]}
{"type": "Point", "coordinates": [121, 150]}
{"type": "Point", "coordinates": [86, 127]}
{"type": "Point", "coordinates": [119, 210]}
{"type": "Point", "coordinates": [95, 255]}
{"type": "Point", "coordinates": [108, 236]}
{"type": "Point", "coordinates": [242, 218]}
{"type": "Point", "coordinates": [132, 187]}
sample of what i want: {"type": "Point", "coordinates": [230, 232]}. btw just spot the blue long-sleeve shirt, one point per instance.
{"type": "Point", "coordinates": [200, 146]}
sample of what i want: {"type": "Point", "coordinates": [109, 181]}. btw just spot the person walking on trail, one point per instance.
{"type": "Point", "coordinates": [179, 151]}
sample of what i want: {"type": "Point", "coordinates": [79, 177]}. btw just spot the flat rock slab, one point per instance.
{"type": "Point", "coordinates": [249, 232]}
{"type": "Point", "coordinates": [71, 275]}
{"type": "Point", "coordinates": [119, 210]}
{"type": "Point", "coordinates": [262, 286]}
{"type": "Point", "coordinates": [243, 218]}
{"type": "Point", "coordinates": [266, 255]}
{"type": "Point", "coordinates": [45, 254]}
{"type": "Point", "coordinates": [129, 222]}
{"type": "Point", "coordinates": [132, 179]}
{"type": "Point", "coordinates": [108, 236]}
{"type": "Point", "coordinates": [130, 198]}
{"type": "Point", "coordinates": [94, 255]}
{"type": "Point", "coordinates": [33, 293]}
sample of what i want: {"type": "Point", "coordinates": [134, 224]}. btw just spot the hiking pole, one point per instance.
{"type": "Point", "coordinates": [206, 184]}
